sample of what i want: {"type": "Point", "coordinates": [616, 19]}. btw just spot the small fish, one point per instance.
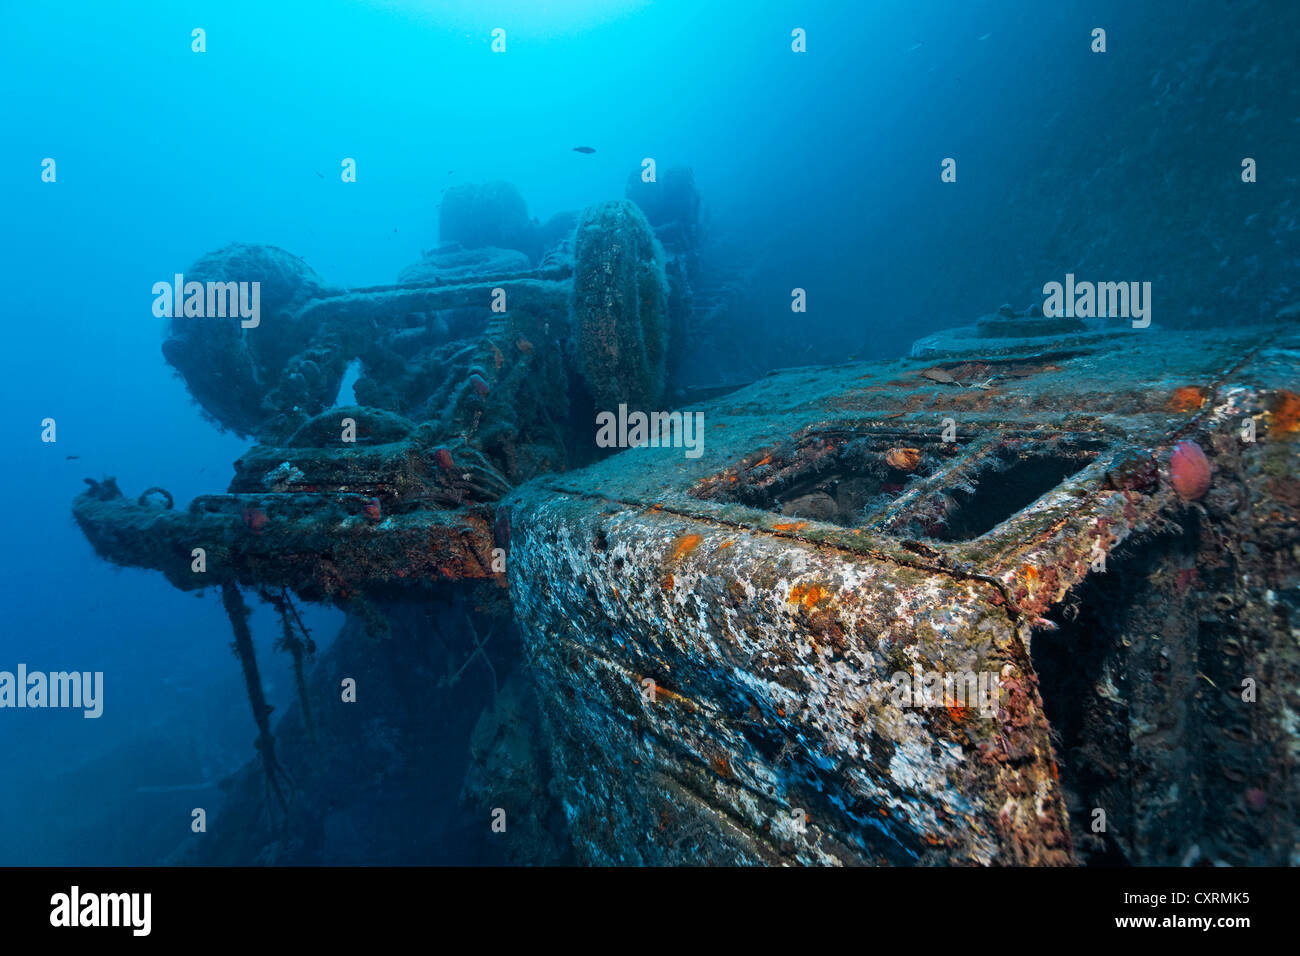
{"type": "Point", "coordinates": [986, 36]}
{"type": "Point", "coordinates": [583, 149]}
{"type": "Point", "coordinates": [938, 375]}
{"type": "Point", "coordinates": [320, 174]}
{"type": "Point", "coordinates": [73, 457]}
{"type": "Point", "coordinates": [913, 49]}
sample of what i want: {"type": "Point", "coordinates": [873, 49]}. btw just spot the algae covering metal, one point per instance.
{"type": "Point", "coordinates": [721, 642]}
{"type": "Point", "coordinates": [328, 523]}
{"type": "Point", "coordinates": [1013, 600]}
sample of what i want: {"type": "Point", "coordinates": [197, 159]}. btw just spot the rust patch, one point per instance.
{"type": "Point", "coordinates": [808, 596]}
{"type": "Point", "coordinates": [684, 546]}
{"type": "Point", "coordinates": [1189, 398]}
{"type": "Point", "coordinates": [1285, 412]}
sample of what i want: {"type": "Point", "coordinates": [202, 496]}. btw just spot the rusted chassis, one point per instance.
{"type": "Point", "coordinates": [716, 672]}
{"type": "Point", "coordinates": [325, 548]}
{"type": "Point", "coordinates": [770, 720]}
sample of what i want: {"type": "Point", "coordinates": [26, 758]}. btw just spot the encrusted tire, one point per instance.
{"type": "Point", "coordinates": [620, 306]}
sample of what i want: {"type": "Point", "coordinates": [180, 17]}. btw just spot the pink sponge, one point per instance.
{"type": "Point", "coordinates": [1189, 470]}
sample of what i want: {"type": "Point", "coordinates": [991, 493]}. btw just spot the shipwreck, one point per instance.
{"type": "Point", "coordinates": [696, 658]}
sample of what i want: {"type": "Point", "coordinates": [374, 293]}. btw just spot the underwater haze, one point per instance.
{"type": "Point", "coordinates": [910, 166]}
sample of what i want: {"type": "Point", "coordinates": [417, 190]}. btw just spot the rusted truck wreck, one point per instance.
{"type": "Point", "coordinates": [1096, 527]}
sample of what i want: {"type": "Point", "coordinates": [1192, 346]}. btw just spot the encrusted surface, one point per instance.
{"type": "Point", "coordinates": [716, 641]}
{"type": "Point", "coordinates": [771, 638]}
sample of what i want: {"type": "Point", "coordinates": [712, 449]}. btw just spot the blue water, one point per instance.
{"type": "Point", "coordinates": [822, 166]}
